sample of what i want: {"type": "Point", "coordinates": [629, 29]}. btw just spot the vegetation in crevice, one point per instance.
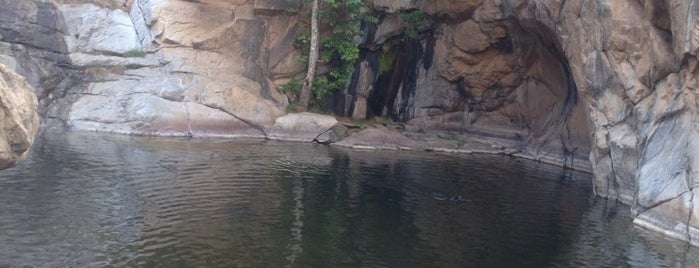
{"type": "Point", "coordinates": [413, 21]}
{"type": "Point", "coordinates": [135, 53]}
{"type": "Point", "coordinates": [342, 37]}
{"type": "Point", "coordinates": [339, 47]}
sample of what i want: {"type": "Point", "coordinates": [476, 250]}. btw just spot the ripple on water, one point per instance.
{"type": "Point", "coordinates": [88, 200]}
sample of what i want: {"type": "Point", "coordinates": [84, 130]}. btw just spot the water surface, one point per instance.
{"type": "Point", "coordinates": [92, 200]}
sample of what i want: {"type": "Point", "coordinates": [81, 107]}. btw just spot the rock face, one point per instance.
{"type": "Point", "coordinates": [476, 71]}
{"type": "Point", "coordinates": [634, 64]}
{"type": "Point", "coordinates": [20, 121]}
{"type": "Point", "coordinates": [615, 80]}
{"type": "Point", "coordinates": [609, 81]}
{"type": "Point", "coordinates": [175, 68]}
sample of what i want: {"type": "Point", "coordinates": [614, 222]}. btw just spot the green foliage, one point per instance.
{"type": "Point", "coordinates": [291, 89]}
{"type": "Point", "coordinates": [103, 72]}
{"type": "Point", "coordinates": [293, 108]}
{"type": "Point", "coordinates": [302, 40]}
{"type": "Point", "coordinates": [413, 20]}
{"type": "Point", "coordinates": [339, 49]}
{"type": "Point", "coordinates": [339, 23]}
{"type": "Point", "coordinates": [386, 59]}
{"type": "Point", "coordinates": [135, 53]}
{"type": "Point", "coordinates": [460, 140]}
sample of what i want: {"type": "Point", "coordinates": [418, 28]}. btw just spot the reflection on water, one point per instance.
{"type": "Point", "coordinates": [88, 200]}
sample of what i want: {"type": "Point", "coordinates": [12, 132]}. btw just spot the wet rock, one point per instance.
{"type": "Point", "coordinates": [334, 134]}
{"type": "Point", "coordinates": [623, 153]}
{"type": "Point", "coordinates": [376, 138]}
{"type": "Point", "coordinates": [20, 121]}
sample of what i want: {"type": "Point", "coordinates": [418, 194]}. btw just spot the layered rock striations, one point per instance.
{"type": "Point", "coordinates": [173, 68]}
{"type": "Point", "coordinates": [605, 85]}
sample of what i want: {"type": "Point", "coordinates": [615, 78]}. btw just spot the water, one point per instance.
{"type": "Point", "coordinates": [89, 200]}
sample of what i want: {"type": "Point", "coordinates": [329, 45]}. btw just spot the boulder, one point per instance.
{"type": "Point", "coordinates": [334, 134]}
{"type": "Point", "coordinates": [304, 127]}
{"type": "Point", "coordinates": [20, 121]}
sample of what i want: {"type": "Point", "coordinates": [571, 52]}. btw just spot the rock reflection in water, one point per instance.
{"type": "Point", "coordinates": [97, 200]}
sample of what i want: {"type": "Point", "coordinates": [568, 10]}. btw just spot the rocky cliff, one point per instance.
{"type": "Point", "coordinates": [609, 81]}
{"type": "Point", "coordinates": [155, 68]}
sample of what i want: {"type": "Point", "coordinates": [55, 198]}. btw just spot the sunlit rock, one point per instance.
{"type": "Point", "coordinates": [19, 122]}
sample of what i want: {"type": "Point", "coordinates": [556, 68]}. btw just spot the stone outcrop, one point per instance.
{"type": "Point", "coordinates": [19, 122]}
{"type": "Point", "coordinates": [151, 67]}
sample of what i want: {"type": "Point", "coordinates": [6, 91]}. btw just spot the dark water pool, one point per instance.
{"type": "Point", "coordinates": [89, 200]}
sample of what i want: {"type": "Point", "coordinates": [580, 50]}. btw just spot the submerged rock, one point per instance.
{"type": "Point", "coordinates": [19, 120]}
{"type": "Point", "coordinates": [376, 138]}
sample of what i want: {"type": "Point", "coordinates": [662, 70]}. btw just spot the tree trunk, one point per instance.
{"type": "Point", "coordinates": [305, 97]}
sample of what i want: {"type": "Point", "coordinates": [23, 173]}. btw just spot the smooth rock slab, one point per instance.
{"type": "Point", "coordinates": [19, 121]}
{"type": "Point", "coordinates": [155, 107]}
{"type": "Point", "coordinates": [374, 138]}
{"type": "Point", "coordinates": [304, 127]}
